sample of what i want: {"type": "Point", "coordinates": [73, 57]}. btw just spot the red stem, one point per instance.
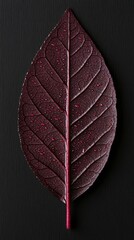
{"type": "Point", "coordinates": [68, 215]}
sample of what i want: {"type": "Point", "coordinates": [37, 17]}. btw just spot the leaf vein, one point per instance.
{"type": "Point", "coordinates": [50, 95]}
{"type": "Point", "coordinates": [55, 71]}
{"type": "Point", "coordinates": [83, 90]}
{"type": "Point", "coordinates": [43, 144]}
{"type": "Point", "coordinates": [102, 135]}
{"type": "Point", "coordinates": [46, 166]}
{"type": "Point", "coordinates": [88, 109]}
{"type": "Point", "coordinates": [90, 124]}
{"type": "Point", "coordinates": [46, 117]}
{"type": "Point", "coordinates": [75, 73]}
{"type": "Point", "coordinates": [79, 48]}
{"type": "Point", "coordinates": [87, 167]}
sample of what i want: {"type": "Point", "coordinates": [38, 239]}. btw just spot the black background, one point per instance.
{"type": "Point", "coordinates": [27, 210]}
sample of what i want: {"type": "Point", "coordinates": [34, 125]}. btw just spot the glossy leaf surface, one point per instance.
{"type": "Point", "coordinates": [67, 112]}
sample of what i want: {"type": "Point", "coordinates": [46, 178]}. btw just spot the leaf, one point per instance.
{"type": "Point", "coordinates": [67, 112]}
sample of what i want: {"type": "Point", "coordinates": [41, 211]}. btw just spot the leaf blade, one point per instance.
{"type": "Point", "coordinates": [67, 112]}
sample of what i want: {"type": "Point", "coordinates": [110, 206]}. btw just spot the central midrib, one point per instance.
{"type": "Point", "coordinates": [67, 153]}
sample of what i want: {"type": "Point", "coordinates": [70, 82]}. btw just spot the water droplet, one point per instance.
{"type": "Point", "coordinates": [77, 105]}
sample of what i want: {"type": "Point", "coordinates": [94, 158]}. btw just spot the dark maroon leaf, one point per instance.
{"type": "Point", "coordinates": [67, 112]}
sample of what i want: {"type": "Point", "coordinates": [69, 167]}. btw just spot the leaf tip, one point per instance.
{"type": "Point", "coordinates": [68, 10]}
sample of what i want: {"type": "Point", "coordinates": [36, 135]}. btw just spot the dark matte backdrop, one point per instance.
{"type": "Point", "coordinates": [27, 210]}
